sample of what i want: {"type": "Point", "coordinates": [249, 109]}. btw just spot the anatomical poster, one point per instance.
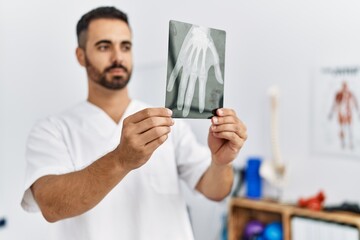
{"type": "Point", "coordinates": [336, 111]}
{"type": "Point", "coordinates": [195, 71]}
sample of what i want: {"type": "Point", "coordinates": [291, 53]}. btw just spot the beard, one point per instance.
{"type": "Point", "coordinates": [112, 83]}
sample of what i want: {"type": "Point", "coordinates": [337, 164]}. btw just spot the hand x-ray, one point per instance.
{"type": "Point", "coordinates": [195, 72]}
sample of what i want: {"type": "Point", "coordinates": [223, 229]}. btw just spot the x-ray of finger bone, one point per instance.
{"type": "Point", "coordinates": [195, 71]}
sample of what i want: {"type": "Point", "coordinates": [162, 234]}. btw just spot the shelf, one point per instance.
{"type": "Point", "coordinates": [242, 210]}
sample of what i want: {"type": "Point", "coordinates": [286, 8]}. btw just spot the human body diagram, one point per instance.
{"type": "Point", "coordinates": [344, 104]}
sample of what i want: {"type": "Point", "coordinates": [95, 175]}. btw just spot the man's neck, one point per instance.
{"type": "Point", "coordinates": [113, 102]}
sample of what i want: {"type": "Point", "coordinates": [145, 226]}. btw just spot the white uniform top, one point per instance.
{"type": "Point", "coordinates": [146, 204]}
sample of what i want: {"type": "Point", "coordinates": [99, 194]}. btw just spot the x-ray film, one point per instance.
{"type": "Point", "coordinates": [195, 71]}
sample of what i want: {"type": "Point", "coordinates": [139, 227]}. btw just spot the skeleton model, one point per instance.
{"type": "Point", "coordinates": [274, 171]}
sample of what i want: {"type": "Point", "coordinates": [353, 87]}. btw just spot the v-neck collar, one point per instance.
{"type": "Point", "coordinates": [99, 112]}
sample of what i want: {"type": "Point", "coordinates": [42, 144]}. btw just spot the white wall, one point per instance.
{"type": "Point", "coordinates": [39, 75]}
{"type": "Point", "coordinates": [268, 42]}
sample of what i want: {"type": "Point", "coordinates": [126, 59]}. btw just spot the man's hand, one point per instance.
{"type": "Point", "coordinates": [142, 133]}
{"type": "Point", "coordinates": [71, 194]}
{"type": "Point", "coordinates": [227, 135]}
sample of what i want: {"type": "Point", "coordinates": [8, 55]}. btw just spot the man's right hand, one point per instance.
{"type": "Point", "coordinates": [71, 194]}
{"type": "Point", "coordinates": [142, 133]}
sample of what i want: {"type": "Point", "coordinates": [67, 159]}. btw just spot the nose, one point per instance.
{"type": "Point", "coordinates": [117, 56]}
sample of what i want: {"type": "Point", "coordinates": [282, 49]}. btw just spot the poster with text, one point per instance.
{"type": "Point", "coordinates": [336, 111]}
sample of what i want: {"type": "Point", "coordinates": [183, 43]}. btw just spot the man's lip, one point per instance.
{"type": "Point", "coordinates": [117, 70]}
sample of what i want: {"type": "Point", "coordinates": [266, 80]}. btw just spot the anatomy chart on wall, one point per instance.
{"type": "Point", "coordinates": [336, 111]}
{"type": "Point", "coordinates": [195, 71]}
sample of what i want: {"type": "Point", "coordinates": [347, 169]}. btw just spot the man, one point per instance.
{"type": "Point", "coordinates": [344, 103]}
{"type": "Point", "coordinates": [110, 167]}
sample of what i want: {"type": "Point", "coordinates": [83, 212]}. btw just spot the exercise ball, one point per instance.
{"type": "Point", "coordinates": [252, 229]}
{"type": "Point", "coordinates": [273, 231]}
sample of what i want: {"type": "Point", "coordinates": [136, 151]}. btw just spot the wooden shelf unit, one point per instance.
{"type": "Point", "coordinates": [242, 210]}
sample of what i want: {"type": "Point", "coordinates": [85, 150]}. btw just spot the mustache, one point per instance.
{"type": "Point", "coordinates": [116, 65]}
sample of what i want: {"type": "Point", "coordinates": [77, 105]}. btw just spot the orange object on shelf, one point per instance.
{"type": "Point", "coordinates": [314, 203]}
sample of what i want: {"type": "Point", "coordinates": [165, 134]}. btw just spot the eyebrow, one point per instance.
{"type": "Point", "coordinates": [127, 42]}
{"type": "Point", "coordinates": [102, 41]}
{"type": "Point", "coordinates": [109, 42]}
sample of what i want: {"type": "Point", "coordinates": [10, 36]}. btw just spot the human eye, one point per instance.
{"type": "Point", "coordinates": [126, 47]}
{"type": "Point", "coordinates": [103, 48]}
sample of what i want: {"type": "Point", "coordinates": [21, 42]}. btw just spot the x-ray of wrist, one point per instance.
{"type": "Point", "coordinates": [195, 70]}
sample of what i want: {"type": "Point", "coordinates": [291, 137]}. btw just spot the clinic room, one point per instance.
{"type": "Point", "coordinates": [179, 120]}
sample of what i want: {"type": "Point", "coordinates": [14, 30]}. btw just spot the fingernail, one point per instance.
{"type": "Point", "coordinates": [215, 120]}
{"type": "Point", "coordinates": [169, 112]}
{"type": "Point", "coordinates": [220, 112]}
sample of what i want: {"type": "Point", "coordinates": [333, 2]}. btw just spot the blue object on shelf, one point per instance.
{"type": "Point", "coordinates": [253, 179]}
{"type": "Point", "coordinates": [273, 231]}
{"type": "Point", "coordinates": [2, 222]}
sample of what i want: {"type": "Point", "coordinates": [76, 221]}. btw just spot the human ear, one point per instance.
{"type": "Point", "coordinates": [80, 55]}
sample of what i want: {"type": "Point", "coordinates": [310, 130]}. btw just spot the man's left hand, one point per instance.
{"type": "Point", "coordinates": [227, 135]}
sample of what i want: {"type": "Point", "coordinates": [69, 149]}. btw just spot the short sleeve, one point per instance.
{"type": "Point", "coordinates": [46, 154]}
{"type": "Point", "coordinates": [193, 158]}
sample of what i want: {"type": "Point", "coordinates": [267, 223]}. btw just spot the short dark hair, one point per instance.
{"type": "Point", "coordinates": [97, 13]}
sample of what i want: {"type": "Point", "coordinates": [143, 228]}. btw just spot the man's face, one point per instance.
{"type": "Point", "coordinates": [108, 56]}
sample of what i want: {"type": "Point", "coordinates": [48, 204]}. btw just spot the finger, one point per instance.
{"type": "Point", "coordinates": [179, 62]}
{"type": "Point", "coordinates": [225, 112]}
{"type": "Point", "coordinates": [218, 74]}
{"type": "Point", "coordinates": [182, 88]}
{"type": "Point", "coordinates": [189, 94]}
{"type": "Point", "coordinates": [229, 122]}
{"type": "Point", "coordinates": [218, 121]}
{"type": "Point", "coordinates": [174, 74]}
{"type": "Point", "coordinates": [153, 122]}
{"type": "Point", "coordinates": [148, 113]}
{"type": "Point", "coordinates": [214, 52]}
{"type": "Point", "coordinates": [238, 129]}
{"type": "Point", "coordinates": [224, 120]}
{"type": "Point", "coordinates": [235, 140]}
{"type": "Point", "coordinates": [153, 145]}
{"type": "Point", "coordinates": [202, 82]}
{"type": "Point", "coordinates": [217, 70]}
{"type": "Point", "coordinates": [153, 133]}
{"type": "Point", "coordinates": [202, 91]}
